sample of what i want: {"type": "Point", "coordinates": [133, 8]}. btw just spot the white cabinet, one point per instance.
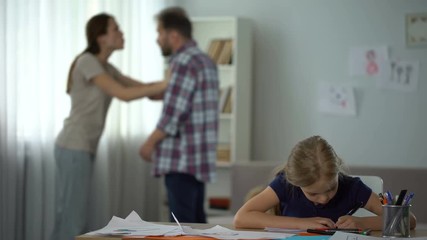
{"type": "Point", "coordinates": [234, 127]}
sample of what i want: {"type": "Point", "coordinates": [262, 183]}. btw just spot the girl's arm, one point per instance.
{"type": "Point", "coordinates": [253, 215]}
{"type": "Point", "coordinates": [115, 89]}
{"type": "Point", "coordinates": [374, 222]}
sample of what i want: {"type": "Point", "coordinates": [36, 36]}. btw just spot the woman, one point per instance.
{"type": "Point", "coordinates": [92, 83]}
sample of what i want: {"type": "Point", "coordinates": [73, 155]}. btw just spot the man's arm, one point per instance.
{"type": "Point", "coordinates": [148, 147]}
{"type": "Point", "coordinates": [175, 105]}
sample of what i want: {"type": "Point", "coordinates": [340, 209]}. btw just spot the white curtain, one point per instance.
{"type": "Point", "coordinates": [38, 41]}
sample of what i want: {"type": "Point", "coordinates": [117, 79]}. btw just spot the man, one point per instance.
{"type": "Point", "coordinates": [183, 145]}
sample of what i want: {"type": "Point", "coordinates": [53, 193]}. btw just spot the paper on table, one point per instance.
{"type": "Point", "coordinates": [351, 236]}
{"type": "Point", "coordinates": [285, 230]}
{"type": "Point", "coordinates": [319, 237]}
{"type": "Point", "coordinates": [220, 232]}
{"type": "Point", "coordinates": [134, 225]}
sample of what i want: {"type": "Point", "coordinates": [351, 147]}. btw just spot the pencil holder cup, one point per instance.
{"type": "Point", "coordinates": [396, 221]}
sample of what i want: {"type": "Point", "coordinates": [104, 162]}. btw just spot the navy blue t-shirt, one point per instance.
{"type": "Point", "coordinates": [293, 203]}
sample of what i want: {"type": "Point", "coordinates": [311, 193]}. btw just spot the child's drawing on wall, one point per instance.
{"type": "Point", "coordinates": [402, 75]}
{"type": "Point", "coordinates": [336, 99]}
{"type": "Point", "coordinates": [367, 61]}
{"type": "Point", "coordinates": [371, 65]}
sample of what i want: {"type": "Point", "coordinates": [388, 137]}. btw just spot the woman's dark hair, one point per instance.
{"type": "Point", "coordinates": [175, 18]}
{"type": "Point", "coordinates": [95, 27]}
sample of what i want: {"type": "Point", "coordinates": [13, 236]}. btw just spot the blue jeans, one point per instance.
{"type": "Point", "coordinates": [72, 186]}
{"type": "Point", "coordinates": [186, 197]}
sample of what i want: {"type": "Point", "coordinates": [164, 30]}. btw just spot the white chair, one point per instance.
{"type": "Point", "coordinates": [376, 184]}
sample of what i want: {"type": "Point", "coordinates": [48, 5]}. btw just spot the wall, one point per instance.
{"type": "Point", "coordinates": [298, 43]}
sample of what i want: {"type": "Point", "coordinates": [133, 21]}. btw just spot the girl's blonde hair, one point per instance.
{"type": "Point", "coordinates": [310, 160]}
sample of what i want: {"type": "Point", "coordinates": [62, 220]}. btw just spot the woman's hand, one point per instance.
{"type": "Point", "coordinates": [164, 84]}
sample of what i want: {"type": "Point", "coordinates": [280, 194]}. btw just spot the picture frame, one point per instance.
{"type": "Point", "coordinates": [416, 29]}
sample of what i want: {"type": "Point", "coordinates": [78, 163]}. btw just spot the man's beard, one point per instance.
{"type": "Point", "coordinates": [166, 51]}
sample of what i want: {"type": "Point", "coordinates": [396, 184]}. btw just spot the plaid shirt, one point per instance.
{"type": "Point", "coordinates": [189, 116]}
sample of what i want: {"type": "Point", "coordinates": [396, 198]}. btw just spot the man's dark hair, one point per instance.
{"type": "Point", "coordinates": [175, 18]}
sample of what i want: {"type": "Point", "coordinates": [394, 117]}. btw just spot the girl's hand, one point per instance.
{"type": "Point", "coordinates": [348, 222]}
{"type": "Point", "coordinates": [317, 222]}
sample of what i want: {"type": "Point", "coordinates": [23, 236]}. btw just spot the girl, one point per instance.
{"type": "Point", "coordinates": [312, 192]}
{"type": "Point", "coordinates": [92, 83]}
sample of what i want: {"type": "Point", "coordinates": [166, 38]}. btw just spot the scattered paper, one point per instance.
{"type": "Point", "coordinates": [285, 230]}
{"type": "Point", "coordinates": [133, 225]}
{"type": "Point", "coordinates": [220, 232]}
{"type": "Point", "coordinates": [351, 236]}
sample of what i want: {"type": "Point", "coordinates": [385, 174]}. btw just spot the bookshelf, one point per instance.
{"type": "Point", "coordinates": [235, 126]}
{"type": "Point", "coordinates": [234, 74]}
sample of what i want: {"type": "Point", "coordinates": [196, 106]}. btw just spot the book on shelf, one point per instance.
{"type": "Point", "coordinates": [226, 52]}
{"type": "Point", "coordinates": [220, 50]}
{"type": "Point", "coordinates": [228, 105]}
{"type": "Point", "coordinates": [224, 94]}
{"type": "Point", "coordinates": [215, 48]}
{"type": "Point", "coordinates": [223, 152]}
